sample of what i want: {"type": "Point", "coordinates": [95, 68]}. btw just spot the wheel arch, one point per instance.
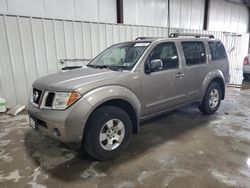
{"type": "Point", "coordinates": [128, 108]}
{"type": "Point", "coordinates": [220, 81]}
{"type": "Point", "coordinates": [116, 96]}
{"type": "Point", "coordinates": [214, 76]}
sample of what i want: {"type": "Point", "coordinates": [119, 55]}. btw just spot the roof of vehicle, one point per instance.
{"type": "Point", "coordinates": [178, 36]}
{"type": "Point", "coordinates": [152, 39]}
{"type": "Point", "coordinates": [156, 39]}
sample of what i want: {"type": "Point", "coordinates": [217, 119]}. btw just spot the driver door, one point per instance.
{"type": "Point", "coordinates": [163, 88]}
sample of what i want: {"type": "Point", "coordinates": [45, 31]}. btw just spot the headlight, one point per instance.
{"type": "Point", "coordinates": [63, 100]}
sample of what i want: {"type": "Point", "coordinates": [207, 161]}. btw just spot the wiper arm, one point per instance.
{"type": "Point", "coordinates": [103, 66]}
{"type": "Point", "coordinates": [114, 68]}
{"type": "Point", "coordinates": [98, 66]}
{"type": "Point", "coordinates": [92, 66]}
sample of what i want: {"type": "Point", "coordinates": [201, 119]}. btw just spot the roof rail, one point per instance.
{"type": "Point", "coordinates": [143, 38]}
{"type": "Point", "coordinates": [140, 38]}
{"type": "Point", "coordinates": [175, 35]}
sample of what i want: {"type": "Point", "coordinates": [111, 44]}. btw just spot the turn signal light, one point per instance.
{"type": "Point", "coordinates": [73, 97]}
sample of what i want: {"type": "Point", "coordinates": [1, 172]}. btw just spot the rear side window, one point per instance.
{"type": "Point", "coordinates": [194, 52]}
{"type": "Point", "coordinates": [217, 50]}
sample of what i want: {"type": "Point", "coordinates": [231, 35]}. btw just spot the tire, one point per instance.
{"type": "Point", "coordinates": [99, 140]}
{"type": "Point", "coordinates": [209, 105]}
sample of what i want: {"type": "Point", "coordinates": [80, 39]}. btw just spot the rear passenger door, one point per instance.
{"type": "Point", "coordinates": [196, 68]}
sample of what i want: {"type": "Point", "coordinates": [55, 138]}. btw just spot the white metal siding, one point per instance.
{"type": "Point", "coordinates": [145, 12]}
{"type": "Point", "coordinates": [86, 10]}
{"type": "Point", "coordinates": [187, 14]}
{"type": "Point", "coordinates": [225, 16]}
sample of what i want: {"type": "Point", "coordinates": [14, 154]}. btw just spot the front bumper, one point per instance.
{"type": "Point", "coordinates": [68, 123]}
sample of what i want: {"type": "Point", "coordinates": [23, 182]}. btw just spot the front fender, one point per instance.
{"type": "Point", "coordinates": [100, 95]}
{"type": "Point", "coordinates": [209, 77]}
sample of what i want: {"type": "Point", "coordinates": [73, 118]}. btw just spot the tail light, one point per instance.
{"type": "Point", "coordinates": [246, 62]}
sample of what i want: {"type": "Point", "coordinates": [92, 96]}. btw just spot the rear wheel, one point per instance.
{"type": "Point", "coordinates": [212, 99]}
{"type": "Point", "coordinates": [107, 132]}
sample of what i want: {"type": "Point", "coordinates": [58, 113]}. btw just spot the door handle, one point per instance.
{"type": "Point", "coordinates": [180, 75]}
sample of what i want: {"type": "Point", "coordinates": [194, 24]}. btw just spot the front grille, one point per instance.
{"type": "Point", "coordinates": [37, 95]}
{"type": "Point", "coordinates": [49, 99]}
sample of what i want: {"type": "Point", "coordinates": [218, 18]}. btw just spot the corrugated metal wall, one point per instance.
{"type": "Point", "coordinates": [146, 12]}
{"type": "Point", "coordinates": [188, 14]}
{"type": "Point", "coordinates": [32, 47]}
{"type": "Point", "coordinates": [87, 10]}
{"type": "Point", "coordinates": [225, 16]}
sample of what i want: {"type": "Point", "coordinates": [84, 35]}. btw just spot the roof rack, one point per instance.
{"type": "Point", "coordinates": [175, 35]}
{"type": "Point", "coordinates": [143, 38]}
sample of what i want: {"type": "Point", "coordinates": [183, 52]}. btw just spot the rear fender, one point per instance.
{"type": "Point", "coordinates": [209, 78]}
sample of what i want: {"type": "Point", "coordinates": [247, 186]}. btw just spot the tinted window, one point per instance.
{"type": "Point", "coordinates": [217, 50]}
{"type": "Point", "coordinates": [194, 52]}
{"type": "Point", "coordinates": [167, 53]}
{"type": "Point", "coordinates": [201, 51]}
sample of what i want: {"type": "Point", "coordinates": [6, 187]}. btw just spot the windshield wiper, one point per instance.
{"type": "Point", "coordinates": [111, 67]}
{"type": "Point", "coordinates": [92, 66]}
{"type": "Point", "coordinates": [103, 66]}
{"type": "Point", "coordinates": [116, 68]}
{"type": "Point", "coordinates": [98, 66]}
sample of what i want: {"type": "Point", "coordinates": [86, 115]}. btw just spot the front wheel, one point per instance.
{"type": "Point", "coordinates": [212, 99]}
{"type": "Point", "coordinates": [107, 132]}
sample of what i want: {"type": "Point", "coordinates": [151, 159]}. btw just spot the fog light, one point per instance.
{"type": "Point", "coordinates": [56, 132]}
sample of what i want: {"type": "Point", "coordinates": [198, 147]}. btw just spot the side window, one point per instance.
{"type": "Point", "coordinates": [217, 50]}
{"type": "Point", "coordinates": [194, 52]}
{"type": "Point", "coordinates": [201, 51]}
{"type": "Point", "coordinates": [167, 52]}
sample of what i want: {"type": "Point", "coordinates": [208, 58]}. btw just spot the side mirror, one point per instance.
{"type": "Point", "coordinates": [154, 65]}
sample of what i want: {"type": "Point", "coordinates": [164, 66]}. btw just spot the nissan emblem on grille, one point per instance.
{"type": "Point", "coordinates": [35, 96]}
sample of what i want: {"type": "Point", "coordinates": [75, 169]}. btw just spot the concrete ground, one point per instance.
{"type": "Point", "coordinates": [180, 149]}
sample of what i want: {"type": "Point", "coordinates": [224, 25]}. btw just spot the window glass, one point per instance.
{"type": "Point", "coordinates": [117, 55]}
{"type": "Point", "coordinates": [191, 53]}
{"type": "Point", "coordinates": [217, 50]}
{"type": "Point", "coordinates": [167, 52]}
{"type": "Point", "coordinates": [194, 52]}
{"type": "Point", "coordinates": [120, 56]}
{"type": "Point", "coordinates": [201, 51]}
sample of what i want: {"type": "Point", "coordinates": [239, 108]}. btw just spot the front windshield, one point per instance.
{"type": "Point", "coordinates": [120, 56]}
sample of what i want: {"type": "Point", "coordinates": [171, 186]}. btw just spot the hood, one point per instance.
{"type": "Point", "coordinates": [67, 81]}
